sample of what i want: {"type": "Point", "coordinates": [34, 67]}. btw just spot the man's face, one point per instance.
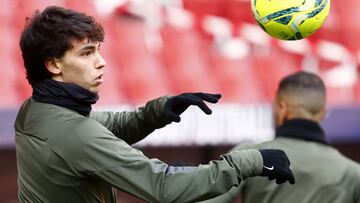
{"type": "Point", "coordinates": [82, 65]}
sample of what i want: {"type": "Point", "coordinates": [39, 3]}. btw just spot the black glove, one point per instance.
{"type": "Point", "coordinates": [276, 166]}
{"type": "Point", "coordinates": [176, 105]}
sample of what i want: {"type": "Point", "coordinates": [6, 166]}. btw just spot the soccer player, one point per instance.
{"type": "Point", "coordinates": [68, 153]}
{"type": "Point", "coordinates": [323, 174]}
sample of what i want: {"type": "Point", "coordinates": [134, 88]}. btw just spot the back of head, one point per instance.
{"type": "Point", "coordinates": [48, 34]}
{"type": "Point", "coordinates": [303, 94]}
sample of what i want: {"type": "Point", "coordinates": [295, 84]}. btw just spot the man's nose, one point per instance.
{"type": "Point", "coordinates": [101, 63]}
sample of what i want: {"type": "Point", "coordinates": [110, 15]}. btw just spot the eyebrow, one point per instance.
{"type": "Point", "coordinates": [89, 47]}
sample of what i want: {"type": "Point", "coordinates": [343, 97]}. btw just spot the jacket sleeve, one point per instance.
{"type": "Point", "coordinates": [136, 125]}
{"type": "Point", "coordinates": [110, 159]}
{"type": "Point", "coordinates": [236, 190]}
{"type": "Point", "coordinates": [226, 197]}
{"type": "Point", "coordinates": [352, 177]}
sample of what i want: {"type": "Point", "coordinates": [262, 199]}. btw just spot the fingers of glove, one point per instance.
{"type": "Point", "coordinates": [204, 107]}
{"type": "Point", "coordinates": [286, 175]}
{"type": "Point", "coordinates": [290, 177]}
{"type": "Point", "coordinates": [286, 171]}
{"type": "Point", "coordinates": [212, 98]}
{"type": "Point", "coordinates": [280, 180]}
{"type": "Point", "coordinates": [194, 100]}
{"type": "Point", "coordinates": [183, 101]}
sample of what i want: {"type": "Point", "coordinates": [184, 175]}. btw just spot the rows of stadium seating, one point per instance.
{"type": "Point", "coordinates": [144, 62]}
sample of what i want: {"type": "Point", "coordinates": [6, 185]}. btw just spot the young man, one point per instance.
{"type": "Point", "coordinates": [67, 153]}
{"type": "Point", "coordinates": [323, 175]}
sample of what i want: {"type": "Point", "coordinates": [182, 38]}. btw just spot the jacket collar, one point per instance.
{"type": "Point", "coordinates": [302, 129]}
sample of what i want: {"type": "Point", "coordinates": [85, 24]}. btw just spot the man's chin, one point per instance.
{"type": "Point", "coordinates": [94, 90]}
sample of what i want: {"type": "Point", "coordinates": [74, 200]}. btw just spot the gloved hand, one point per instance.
{"type": "Point", "coordinates": [276, 166]}
{"type": "Point", "coordinates": [176, 105]}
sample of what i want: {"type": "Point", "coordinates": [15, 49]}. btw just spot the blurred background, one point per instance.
{"type": "Point", "coordinates": [166, 47]}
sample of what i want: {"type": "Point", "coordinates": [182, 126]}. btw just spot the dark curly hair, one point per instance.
{"type": "Point", "coordinates": [48, 35]}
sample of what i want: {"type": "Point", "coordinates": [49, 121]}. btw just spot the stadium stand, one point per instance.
{"type": "Point", "coordinates": [10, 70]}
{"type": "Point", "coordinates": [146, 61]}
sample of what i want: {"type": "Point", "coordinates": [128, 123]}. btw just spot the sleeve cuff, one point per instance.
{"type": "Point", "coordinates": [249, 163]}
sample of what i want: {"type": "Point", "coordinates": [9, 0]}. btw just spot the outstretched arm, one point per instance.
{"type": "Point", "coordinates": [110, 159]}
{"type": "Point", "coordinates": [136, 125]}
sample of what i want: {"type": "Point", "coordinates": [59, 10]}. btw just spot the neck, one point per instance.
{"type": "Point", "coordinates": [64, 94]}
{"type": "Point", "coordinates": [302, 129]}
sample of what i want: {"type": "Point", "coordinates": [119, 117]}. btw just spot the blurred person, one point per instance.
{"type": "Point", "coordinates": [323, 174]}
{"type": "Point", "coordinates": [68, 153]}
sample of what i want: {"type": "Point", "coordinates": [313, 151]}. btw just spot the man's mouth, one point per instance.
{"type": "Point", "coordinates": [100, 79]}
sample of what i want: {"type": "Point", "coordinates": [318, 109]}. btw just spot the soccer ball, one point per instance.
{"type": "Point", "coordinates": [290, 19]}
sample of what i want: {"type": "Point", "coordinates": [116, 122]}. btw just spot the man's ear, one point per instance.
{"type": "Point", "coordinates": [53, 66]}
{"type": "Point", "coordinates": [321, 115]}
{"type": "Point", "coordinates": [283, 110]}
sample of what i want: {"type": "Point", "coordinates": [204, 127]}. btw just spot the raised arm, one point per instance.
{"type": "Point", "coordinates": [135, 125]}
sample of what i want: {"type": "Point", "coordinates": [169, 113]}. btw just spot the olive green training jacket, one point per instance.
{"type": "Point", "coordinates": [63, 156]}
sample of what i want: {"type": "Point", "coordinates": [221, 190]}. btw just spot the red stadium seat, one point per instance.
{"type": "Point", "coordinates": [200, 8]}
{"type": "Point", "coordinates": [186, 61]}
{"type": "Point", "coordinates": [85, 6]}
{"type": "Point", "coordinates": [238, 80]}
{"type": "Point", "coordinates": [238, 11]}
{"type": "Point", "coordinates": [8, 71]}
{"type": "Point", "coordinates": [139, 69]}
{"type": "Point", "coordinates": [271, 67]}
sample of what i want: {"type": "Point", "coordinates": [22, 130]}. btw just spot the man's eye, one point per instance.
{"type": "Point", "coordinates": [87, 53]}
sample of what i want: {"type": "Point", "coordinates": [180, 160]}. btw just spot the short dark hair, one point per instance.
{"type": "Point", "coordinates": [48, 35]}
{"type": "Point", "coordinates": [306, 88]}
